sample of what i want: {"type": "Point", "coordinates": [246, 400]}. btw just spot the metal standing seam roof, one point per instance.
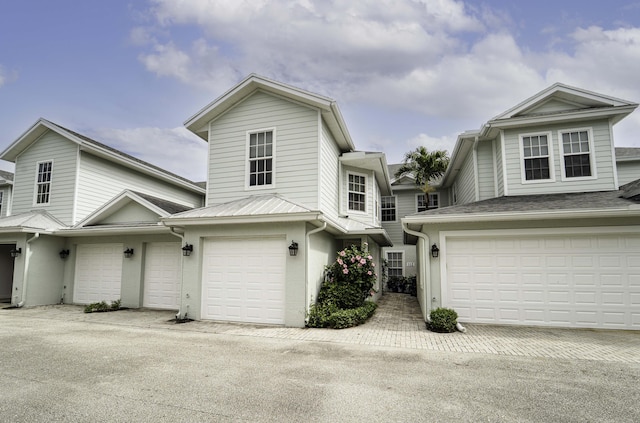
{"type": "Point", "coordinates": [7, 176]}
{"type": "Point", "coordinates": [38, 220]}
{"type": "Point", "coordinates": [166, 205]}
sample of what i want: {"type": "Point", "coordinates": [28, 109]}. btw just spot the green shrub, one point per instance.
{"type": "Point", "coordinates": [102, 306]}
{"type": "Point", "coordinates": [329, 316]}
{"type": "Point", "coordinates": [443, 320]}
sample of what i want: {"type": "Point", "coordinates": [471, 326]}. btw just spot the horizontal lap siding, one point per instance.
{"type": "Point", "coordinates": [603, 161]}
{"type": "Point", "coordinates": [466, 192]}
{"type": "Point", "coordinates": [329, 174]}
{"type": "Point", "coordinates": [296, 150]}
{"type": "Point", "coordinates": [628, 172]}
{"type": "Point", "coordinates": [486, 183]}
{"type": "Point", "coordinates": [63, 153]}
{"type": "Point", "coordinates": [405, 205]}
{"type": "Point", "coordinates": [499, 173]}
{"type": "Point", "coordinates": [101, 180]}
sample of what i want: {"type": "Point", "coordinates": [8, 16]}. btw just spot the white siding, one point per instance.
{"type": "Point", "coordinates": [627, 172]}
{"type": "Point", "coordinates": [6, 201]}
{"type": "Point", "coordinates": [369, 215]}
{"type": "Point", "coordinates": [296, 150]}
{"type": "Point", "coordinates": [100, 180]}
{"type": "Point", "coordinates": [329, 174]}
{"type": "Point", "coordinates": [466, 182]}
{"type": "Point", "coordinates": [499, 165]}
{"type": "Point", "coordinates": [603, 161]}
{"type": "Point", "coordinates": [486, 183]}
{"type": "Point", "coordinates": [63, 153]}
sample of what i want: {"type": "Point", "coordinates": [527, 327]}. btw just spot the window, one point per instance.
{"type": "Point", "coordinates": [389, 209]}
{"type": "Point", "coordinates": [357, 190]}
{"type": "Point", "coordinates": [535, 151]}
{"type": "Point", "coordinates": [43, 182]}
{"type": "Point", "coordinates": [1, 199]}
{"type": "Point", "coordinates": [260, 158]}
{"type": "Point", "coordinates": [426, 202]}
{"type": "Point", "coordinates": [577, 154]}
{"type": "Point", "coordinates": [421, 201]}
{"type": "Point", "coordinates": [434, 200]}
{"type": "Point", "coordinates": [394, 264]}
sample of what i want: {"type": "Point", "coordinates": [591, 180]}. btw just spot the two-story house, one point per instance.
{"type": "Point", "coordinates": [285, 191]}
{"type": "Point", "coordinates": [74, 207]}
{"type": "Point", "coordinates": [539, 231]}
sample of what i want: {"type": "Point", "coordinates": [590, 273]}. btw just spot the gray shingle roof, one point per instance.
{"type": "Point", "coordinates": [627, 153]}
{"type": "Point", "coordinates": [7, 176]}
{"type": "Point", "coordinates": [166, 205]}
{"type": "Point", "coordinates": [600, 200]}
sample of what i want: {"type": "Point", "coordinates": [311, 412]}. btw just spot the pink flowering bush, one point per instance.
{"type": "Point", "coordinates": [348, 283]}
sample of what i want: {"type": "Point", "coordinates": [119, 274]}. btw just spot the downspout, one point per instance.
{"type": "Point", "coordinates": [27, 253]}
{"type": "Point", "coordinates": [306, 255]}
{"type": "Point", "coordinates": [423, 273]}
{"type": "Point", "coordinates": [179, 315]}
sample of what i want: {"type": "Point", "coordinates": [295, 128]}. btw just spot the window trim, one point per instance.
{"type": "Point", "coordinates": [552, 169]}
{"type": "Point", "coordinates": [418, 203]}
{"type": "Point", "coordinates": [1, 200]}
{"type": "Point", "coordinates": [395, 208]}
{"type": "Point", "coordinates": [366, 189]}
{"type": "Point", "coordinates": [563, 171]}
{"type": "Point", "coordinates": [402, 263]}
{"type": "Point", "coordinates": [35, 184]}
{"type": "Point", "coordinates": [429, 197]}
{"type": "Point", "coordinates": [247, 164]}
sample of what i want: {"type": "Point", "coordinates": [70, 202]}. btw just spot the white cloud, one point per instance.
{"type": "Point", "coordinates": [176, 150]}
{"type": "Point", "coordinates": [7, 76]}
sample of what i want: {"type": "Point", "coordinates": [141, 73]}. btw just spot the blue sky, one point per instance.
{"type": "Point", "coordinates": [404, 72]}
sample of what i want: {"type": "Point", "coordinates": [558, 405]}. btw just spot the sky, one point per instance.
{"type": "Point", "coordinates": [404, 73]}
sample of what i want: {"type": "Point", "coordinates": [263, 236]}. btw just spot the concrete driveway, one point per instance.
{"type": "Point", "coordinates": [59, 364]}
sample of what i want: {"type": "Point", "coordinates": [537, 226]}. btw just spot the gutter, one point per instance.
{"type": "Point", "coordinates": [25, 279]}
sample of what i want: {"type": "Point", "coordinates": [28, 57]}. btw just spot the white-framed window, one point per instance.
{"type": "Point", "coordinates": [43, 182]}
{"type": "Point", "coordinates": [421, 203]}
{"type": "Point", "coordinates": [434, 200]}
{"type": "Point", "coordinates": [260, 158]}
{"type": "Point", "coordinates": [577, 153]}
{"type": "Point", "coordinates": [388, 209]}
{"type": "Point", "coordinates": [537, 157]}
{"type": "Point", "coordinates": [357, 192]}
{"type": "Point", "coordinates": [394, 263]}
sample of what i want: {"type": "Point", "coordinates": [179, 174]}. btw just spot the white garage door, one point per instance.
{"type": "Point", "coordinates": [545, 280]}
{"type": "Point", "coordinates": [162, 275]}
{"type": "Point", "coordinates": [244, 280]}
{"type": "Point", "coordinates": [98, 273]}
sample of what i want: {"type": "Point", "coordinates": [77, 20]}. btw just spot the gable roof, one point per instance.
{"type": "Point", "coordinates": [159, 206]}
{"type": "Point", "coordinates": [198, 123]}
{"type": "Point", "coordinates": [33, 221]}
{"type": "Point", "coordinates": [373, 161]}
{"type": "Point", "coordinates": [578, 100]}
{"type": "Point", "coordinates": [95, 148]}
{"type": "Point", "coordinates": [539, 207]}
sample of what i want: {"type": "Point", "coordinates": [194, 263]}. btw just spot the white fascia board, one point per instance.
{"type": "Point", "coordinates": [116, 204]}
{"type": "Point", "coordinates": [633, 210]}
{"type": "Point", "coordinates": [275, 218]}
{"type": "Point", "coordinates": [547, 119]}
{"type": "Point", "coordinates": [113, 230]}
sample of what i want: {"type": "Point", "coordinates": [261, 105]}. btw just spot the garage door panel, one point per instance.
{"type": "Point", "coordinates": [162, 275]}
{"type": "Point", "coordinates": [98, 273]}
{"type": "Point", "coordinates": [545, 280]}
{"type": "Point", "coordinates": [251, 287]}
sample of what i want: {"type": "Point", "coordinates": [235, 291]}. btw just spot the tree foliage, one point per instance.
{"type": "Point", "coordinates": [424, 166]}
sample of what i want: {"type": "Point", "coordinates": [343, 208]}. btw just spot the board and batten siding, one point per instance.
{"type": "Point", "coordinates": [602, 157]}
{"type": "Point", "coordinates": [486, 184]}
{"type": "Point", "coordinates": [466, 189]}
{"type": "Point", "coordinates": [329, 183]}
{"type": "Point", "coordinates": [628, 171]}
{"type": "Point", "coordinates": [100, 181]}
{"type": "Point", "coordinates": [64, 154]}
{"type": "Point", "coordinates": [296, 150]}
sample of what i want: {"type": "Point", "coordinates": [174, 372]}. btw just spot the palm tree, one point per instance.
{"type": "Point", "coordinates": [424, 166]}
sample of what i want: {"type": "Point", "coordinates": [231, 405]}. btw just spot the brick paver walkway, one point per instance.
{"type": "Point", "coordinates": [397, 323]}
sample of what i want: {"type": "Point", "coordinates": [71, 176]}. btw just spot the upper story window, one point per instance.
{"type": "Point", "coordinates": [357, 192]}
{"type": "Point", "coordinates": [537, 159]}
{"type": "Point", "coordinates": [388, 209]}
{"type": "Point", "coordinates": [421, 203]}
{"type": "Point", "coordinates": [43, 182]}
{"type": "Point", "coordinates": [261, 158]}
{"type": "Point", "coordinates": [577, 153]}
{"type": "Point", "coordinates": [424, 202]}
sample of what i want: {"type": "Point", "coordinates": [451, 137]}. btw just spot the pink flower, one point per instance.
{"type": "Point", "coordinates": [363, 261]}
{"type": "Point", "coordinates": [345, 271]}
{"type": "Point", "coordinates": [342, 253]}
{"type": "Point", "coordinates": [359, 265]}
{"type": "Point", "coordinates": [358, 257]}
{"type": "Point", "coordinates": [373, 265]}
{"type": "Point", "coordinates": [369, 257]}
{"type": "Point", "coordinates": [353, 259]}
{"type": "Point", "coordinates": [340, 262]}
{"type": "Point", "coordinates": [369, 273]}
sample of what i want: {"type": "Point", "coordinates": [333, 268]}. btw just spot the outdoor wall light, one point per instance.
{"type": "Point", "coordinates": [128, 252]}
{"type": "Point", "coordinates": [16, 252]}
{"type": "Point", "coordinates": [187, 250]}
{"type": "Point", "coordinates": [293, 249]}
{"type": "Point", "coordinates": [435, 251]}
{"type": "Point", "coordinates": [64, 254]}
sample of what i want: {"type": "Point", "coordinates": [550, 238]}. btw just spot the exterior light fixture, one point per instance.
{"type": "Point", "coordinates": [435, 251]}
{"type": "Point", "coordinates": [128, 252]}
{"type": "Point", "coordinates": [187, 250]}
{"type": "Point", "coordinates": [293, 249]}
{"type": "Point", "coordinates": [15, 252]}
{"type": "Point", "coordinates": [64, 254]}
